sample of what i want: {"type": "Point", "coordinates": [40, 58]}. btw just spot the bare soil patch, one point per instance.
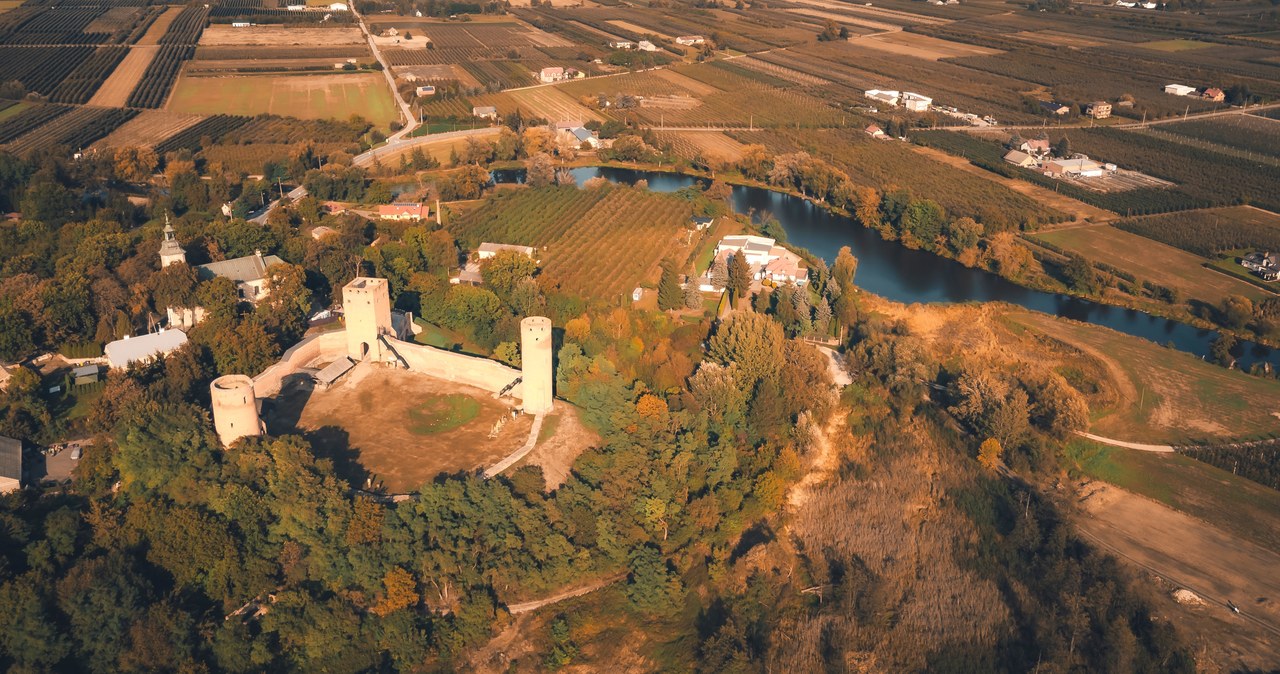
{"type": "Point", "coordinates": [562, 439]}
{"type": "Point", "coordinates": [148, 128]}
{"type": "Point", "coordinates": [225, 35]}
{"type": "Point", "coordinates": [366, 425]}
{"type": "Point", "coordinates": [115, 91]}
{"type": "Point", "coordinates": [685, 82]}
{"type": "Point", "coordinates": [1187, 553]}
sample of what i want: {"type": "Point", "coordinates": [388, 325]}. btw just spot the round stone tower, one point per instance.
{"type": "Point", "coordinates": [235, 408]}
{"type": "Point", "coordinates": [537, 375]}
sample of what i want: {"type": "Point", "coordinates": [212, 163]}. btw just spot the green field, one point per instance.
{"type": "Point", "coordinates": [1232, 503]}
{"type": "Point", "coordinates": [1165, 396]}
{"type": "Point", "coordinates": [442, 413]}
{"type": "Point", "coordinates": [336, 96]}
{"type": "Point", "coordinates": [1175, 45]}
{"type": "Point", "coordinates": [1152, 261]}
{"type": "Point", "coordinates": [13, 110]}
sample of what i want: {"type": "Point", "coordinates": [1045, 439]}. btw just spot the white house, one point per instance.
{"type": "Point", "coordinates": [425, 90]}
{"type": "Point", "coordinates": [552, 74]}
{"type": "Point", "coordinates": [338, 7]}
{"type": "Point", "coordinates": [645, 45]}
{"type": "Point", "coordinates": [296, 8]}
{"type": "Point", "coordinates": [124, 352]}
{"type": "Point", "coordinates": [916, 102]}
{"type": "Point", "coordinates": [1179, 89]}
{"type": "Point", "coordinates": [1265, 265]}
{"type": "Point", "coordinates": [485, 112]}
{"type": "Point", "coordinates": [875, 131]}
{"type": "Point", "coordinates": [1036, 147]}
{"type": "Point", "coordinates": [766, 259]}
{"type": "Point", "coordinates": [690, 40]}
{"type": "Point", "coordinates": [240, 24]}
{"type": "Point", "coordinates": [622, 44]}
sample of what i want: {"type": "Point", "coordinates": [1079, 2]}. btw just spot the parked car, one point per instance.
{"type": "Point", "coordinates": [76, 453]}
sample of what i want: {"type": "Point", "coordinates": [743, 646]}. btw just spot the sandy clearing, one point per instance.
{"type": "Point", "coordinates": [224, 35]}
{"type": "Point", "coordinates": [160, 26]}
{"type": "Point", "coordinates": [556, 454]}
{"type": "Point", "coordinates": [115, 91]}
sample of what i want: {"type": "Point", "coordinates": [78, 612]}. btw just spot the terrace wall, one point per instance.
{"type": "Point", "coordinates": [481, 373]}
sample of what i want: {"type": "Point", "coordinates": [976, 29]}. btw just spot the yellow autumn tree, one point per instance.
{"type": "Point", "coordinates": [401, 592]}
{"type": "Point", "coordinates": [989, 454]}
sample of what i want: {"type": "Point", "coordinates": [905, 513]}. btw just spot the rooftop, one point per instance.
{"type": "Point", "coordinates": [245, 269]}
{"type": "Point", "coordinates": [124, 352]}
{"type": "Point", "coordinates": [10, 458]}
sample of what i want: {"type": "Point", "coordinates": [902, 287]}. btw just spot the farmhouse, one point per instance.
{"type": "Point", "coordinates": [1079, 166]}
{"type": "Point", "coordinates": [577, 135]}
{"type": "Point", "coordinates": [645, 45]}
{"type": "Point", "coordinates": [404, 211]}
{"type": "Point", "coordinates": [485, 112]}
{"type": "Point", "coordinates": [1037, 147]}
{"type": "Point", "coordinates": [875, 131]}
{"type": "Point", "coordinates": [701, 223]}
{"type": "Point", "coordinates": [1098, 109]}
{"type": "Point", "coordinates": [249, 273]}
{"type": "Point", "coordinates": [1053, 108]}
{"type": "Point", "coordinates": [425, 90]}
{"type": "Point", "coordinates": [1266, 265]}
{"type": "Point", "coordinates": [689, 40]}
{"type": "Point", "coordinates": [622, 44]}
{"type": "Point", "coordinates": [10, 465]}
{"type": "Point", "coordinates": [1020, 158]}
{"type": "Point", "coordinates": [1213, 94]}
{"type": "Point", "coordinates": [553, 74]}
{"type": "Point", "coordinates": [1179, 89]}
{"type": "Point", "coordinates": [144, 348]}
{"type": "Point", "coordinates": [916, 102]}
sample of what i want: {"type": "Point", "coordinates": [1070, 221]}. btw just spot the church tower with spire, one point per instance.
{"type": "Point", "coordinates": [170, 250]}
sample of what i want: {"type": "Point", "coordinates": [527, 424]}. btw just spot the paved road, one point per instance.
{"type": "Point", "coordinates": [410, 121]}
{"type": "Point", "coordinates": [1126, 125]}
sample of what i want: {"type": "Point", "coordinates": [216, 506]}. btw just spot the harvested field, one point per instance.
{"type": "Point", "coordinates": [636, 32]}
{"type": "Point", "coordinates": [1058, 39]}
{"type": "Point", "coordinates": [160, 26]}
{"type": "Point", "coordinates": [336, 96]}
{"type": "Point", "coordinates": [148, 128]}
{"type": "Point", "coordinates": [856, 25]}
{"type": "Point", "coordinates": [1175, 45]}
{"type": "Point", "coordinates": [1152, 261]}
{"type": "Point", "coordinates": [267, 66]}
{"type": "Point", "coordinates": [922, 46]}
{"type": "Point", "coordinates": [685, 83]}
{"type": "Point", "coordinates": [223, 35]}
{"type": "Point", "coordinates": [331, 54]}
{"type": "Point", "coordinates": [114, 19]}
{"type": "Point", "coordinates": [115, 91]}
{"type": "Point", "coordinates": [366, 424]}
{"type": "Point", "coordinates": [900, 17]}
{"type": "Point", "coordinates": [710, 145]}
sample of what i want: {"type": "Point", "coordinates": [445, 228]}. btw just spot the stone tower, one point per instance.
{"type": "Point", "coordinates": [537, 376]}
{"type": "Point", "coordinates": [170, 250]}
{"type": "Point", "coordinates": [235, 408]}
{"type": "Point", "coordinates": [366, 304]}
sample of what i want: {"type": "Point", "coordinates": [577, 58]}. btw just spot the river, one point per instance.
{"type": "Point", "coordinates": [898, 273]}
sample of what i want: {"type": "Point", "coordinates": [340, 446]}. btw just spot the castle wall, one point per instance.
{"type": "Point", "coordinates": [326, 346]}
{"type": "Point", "coordinates": [481, 373]}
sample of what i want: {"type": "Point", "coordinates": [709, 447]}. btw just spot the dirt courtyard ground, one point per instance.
{"type": "Point", "coordinates": [365, 425]}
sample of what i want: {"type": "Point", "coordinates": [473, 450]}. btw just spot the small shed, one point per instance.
{"type": "Point", "coordinates": [86, 374]}
{"type": "Point", "coordinates": [333, 371]}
